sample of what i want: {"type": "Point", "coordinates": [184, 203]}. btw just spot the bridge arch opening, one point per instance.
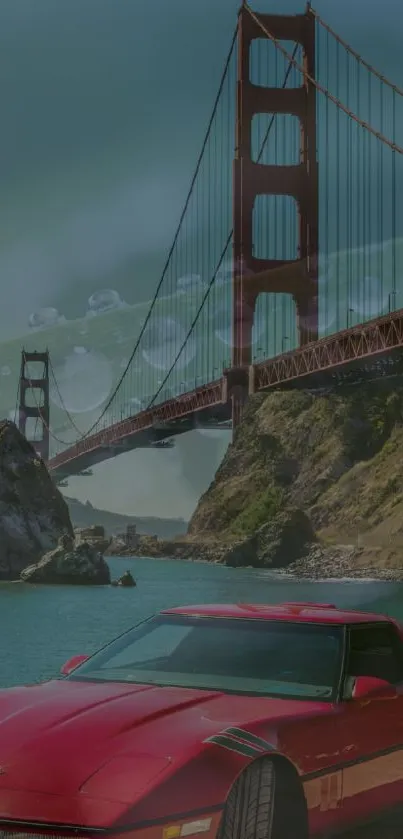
{"type": "Point", "coordinates": [269, 66]}
{"type": "Point", "coordinates": [34, 398]}
{"type": "Point", "coordinates": [275, 227]}
{"type": "Point", "coordinates": [276, 139]}
{"type": "Point", "coordinates": [33, 429]}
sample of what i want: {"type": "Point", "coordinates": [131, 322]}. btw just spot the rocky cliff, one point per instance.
{"type": "Point", "coordinates": [305, 469]}
{"type": "Point", "coordinates": [71, 563]}
{"type": "Point", "coordinates": [33, 513]}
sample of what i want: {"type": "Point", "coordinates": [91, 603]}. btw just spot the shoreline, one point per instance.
{"type": "Point", "coordinates": [367, 575]}
{"type": "Point", "coordinates": [294, 572]}
{"type": "Point", "coordinates": [322, 564]}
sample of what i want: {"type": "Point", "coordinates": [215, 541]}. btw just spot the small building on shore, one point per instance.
{"type": "Point", "coordinates": [132, 537]}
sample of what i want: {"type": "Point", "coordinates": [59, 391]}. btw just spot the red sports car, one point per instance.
{"type": "Point", "coordinates": [237, 722]}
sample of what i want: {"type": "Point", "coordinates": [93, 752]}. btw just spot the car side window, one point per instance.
{"type": "Point", "coordinates": [375, 651]}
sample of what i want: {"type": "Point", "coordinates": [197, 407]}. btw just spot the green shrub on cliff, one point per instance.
{"type": "Point", "coordinates": [260, 510]}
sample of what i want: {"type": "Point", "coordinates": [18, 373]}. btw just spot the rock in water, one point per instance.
{"type": "Point", "coordinates": [70, 564]}
{"type": "Point", "coordinates": [33, 513]}
{"type": "Point", "coordinates": [126, 580]}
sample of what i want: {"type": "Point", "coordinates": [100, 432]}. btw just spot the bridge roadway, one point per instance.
{"type": "Point", "coordinates": [366, 351]}
{"type": "Point", "coordinates": [144, 430]}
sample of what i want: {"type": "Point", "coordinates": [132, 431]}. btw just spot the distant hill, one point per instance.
{"type": "Point", "coordinates": [84, 515]}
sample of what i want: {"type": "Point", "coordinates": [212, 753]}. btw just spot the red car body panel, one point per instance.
{"type": "Point", "coordinates": [290, 612]}
{"type": "Point", "coordinates": [110, 755]}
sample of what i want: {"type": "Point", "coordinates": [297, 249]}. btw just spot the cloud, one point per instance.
{"type": "Point", "coordinates": [128, 222]}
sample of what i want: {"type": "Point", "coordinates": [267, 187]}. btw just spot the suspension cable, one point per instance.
{"type": "Point", "coordinates": [62, 402]}
{"type": "Point", "coordinates": [356, 55]}
{"type": "Point", "coordinates": [292, 63]}
{"type": "Point", "coordinates": [194, 322]}
{"type": "Point", "coordinates": [186, 204]}
{"type": "Point", "coordinates": [212, 281]}
{"type": "Point", "coordinates": [320, 87]}
{"type": "Point", "coordinates": [218, 266]}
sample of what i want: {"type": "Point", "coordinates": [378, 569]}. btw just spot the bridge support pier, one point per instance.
{"type": "Point", "coordinates": [39, 386]}
{"type": "Point", "coordinates": [252, 276]}
{"type": "Point", "coordinates": [237, 382]}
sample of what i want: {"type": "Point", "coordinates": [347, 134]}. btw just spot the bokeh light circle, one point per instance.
{"type": "Point", "coordinates": [48, 316]}
{"type": "Point", "coordinates": [162, 341]}
{"type": "Point", "coordinates": [85, 380]}
{"type": "Point", "coordinates": [104, 300]}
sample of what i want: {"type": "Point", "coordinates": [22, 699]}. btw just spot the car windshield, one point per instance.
{"type": "Point", "coordinates": [255, 657]}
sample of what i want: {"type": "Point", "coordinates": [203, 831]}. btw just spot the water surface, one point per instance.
{"type": "Point", "coordinates": [42, 626]}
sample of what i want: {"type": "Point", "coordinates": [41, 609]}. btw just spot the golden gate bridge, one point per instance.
{"type": "Point", "coordinates": [290, 240]}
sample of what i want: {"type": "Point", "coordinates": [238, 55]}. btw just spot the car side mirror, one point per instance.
{"type": "Point", "coordinates": [369, 687]}
{"type": "Point", "coordinates": [72, 663]}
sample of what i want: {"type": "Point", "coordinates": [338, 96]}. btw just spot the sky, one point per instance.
{"type": "Point", "coordinates": [103, 107]}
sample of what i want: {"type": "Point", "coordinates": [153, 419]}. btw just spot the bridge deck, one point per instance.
{"type": "Point", "coordinates": [376, 343]}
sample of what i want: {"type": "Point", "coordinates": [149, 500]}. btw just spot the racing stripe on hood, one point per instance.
{"type": "Point", "coordinates": [240, 741]}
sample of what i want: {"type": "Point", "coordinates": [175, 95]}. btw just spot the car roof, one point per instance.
{"type": "Point", "coordinates": [320, 613]}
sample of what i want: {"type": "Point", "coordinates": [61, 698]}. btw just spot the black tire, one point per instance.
{"type": "Point", "coordinates": [266, 802]}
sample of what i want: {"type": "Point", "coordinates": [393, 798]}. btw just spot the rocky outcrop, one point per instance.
{"type": "Point", "coordinates": [288, 536]}
{"type": "Point", "coordinates": [125, 581]}
{"type": "Point", "coordinates": [33, 513]}
{"type": "Point", "coordinates": [94, 535]}
{"type": "Point", "coordinates": [70, 563]}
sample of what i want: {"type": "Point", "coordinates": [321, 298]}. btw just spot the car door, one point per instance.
{"type": "Point", "coordinates": [371, 730]}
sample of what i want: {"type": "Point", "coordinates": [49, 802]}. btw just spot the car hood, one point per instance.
{"type": "Point", "coordinates": [58, 737]}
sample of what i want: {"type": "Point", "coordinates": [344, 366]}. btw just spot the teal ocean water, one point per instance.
{"type": "Point", "coordinates": [41, 626]}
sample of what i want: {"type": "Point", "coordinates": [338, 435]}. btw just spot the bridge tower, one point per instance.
{"type": "Point", "coordinates": [253, 276]}
{"type": "Point", "coordinates": [39, 386]}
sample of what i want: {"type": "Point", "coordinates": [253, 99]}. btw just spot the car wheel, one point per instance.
{"type": "Point", "coordinates": [266, 802]}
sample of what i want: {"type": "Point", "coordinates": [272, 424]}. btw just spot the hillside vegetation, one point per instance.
{"type": "Point", "coordinates": [305, 469]}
